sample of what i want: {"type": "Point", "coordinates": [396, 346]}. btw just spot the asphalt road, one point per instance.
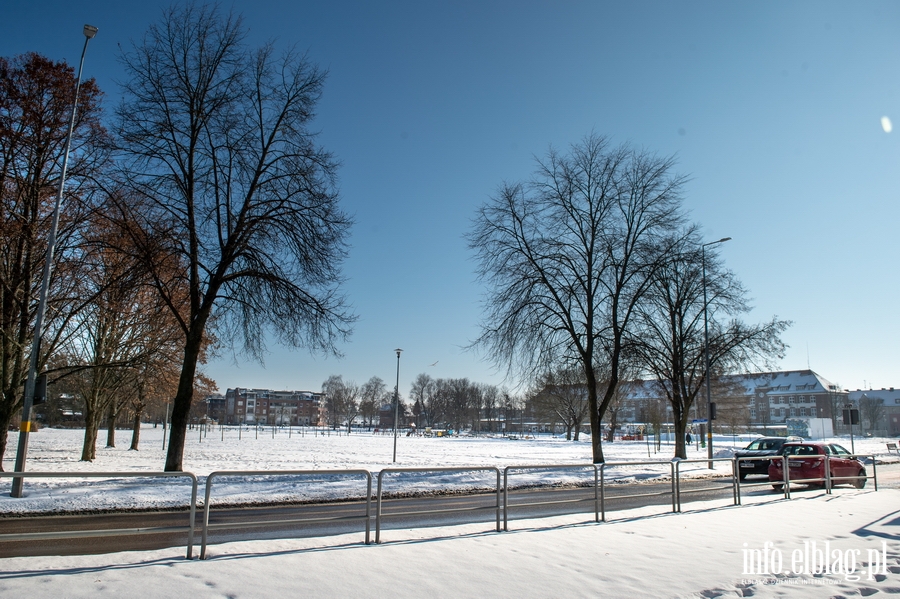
{"type": "Point", "coordinates": [283, 521]}
{"type": "Point", "coordinates": [230, 524]}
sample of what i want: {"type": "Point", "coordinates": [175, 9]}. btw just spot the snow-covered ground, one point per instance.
{"type": "Point", "coordinates": [59, 450]}
{"type": "Point", "coordinates": [768, 548]}
{"type": "Point", "coordinates": [703, 553]}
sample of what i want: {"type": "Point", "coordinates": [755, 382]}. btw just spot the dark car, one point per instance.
{"type": "Point", "coordinates": [760, 447]}
{"type": "Point", "coordinates": [807, 461]}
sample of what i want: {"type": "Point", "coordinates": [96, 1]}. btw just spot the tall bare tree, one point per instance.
{"type": "Point", "coordinates": [871, 408]}
{"type": "Point", "coordinates": [342, 400]}
{"type": "Point", "coordinates": [370, 395]}
{"type": "Point", "coordinates": [216, 140]}
{"type": "Point", "coordinates": [670, 335]}
{"type": "Point", "coordinates": [563, 395]}
{"type": "Point", "coordinates": [36, 97]}
{"type": "Point", "coordinates": [566, 258]}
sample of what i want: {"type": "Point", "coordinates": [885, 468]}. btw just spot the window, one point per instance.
{"type": "Point", "coordinates": [791, 399]}
{"type": "Point", "coordinates": [804, 412]}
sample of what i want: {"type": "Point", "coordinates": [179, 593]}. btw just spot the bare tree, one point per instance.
{"type": "Point", "coordinates": [370, 395]}
{"type": "Point", "coordinates": [490, 397]}
{"type": "Point", "coordinates": [342, 400]}
{"type": "Point", "coordinates": [670, 335]}
{"type": "Point", "coordinates": [871, 409]}
{"type": "Point", "coordinates": [568, 255]}
{"type": "Point", "coordinates": [215, 139]}
{"type": "Point", "coordinates": [733, 405]}
{"type": "Point", "coordinates": [419, 393]}
{"type": "Point", "coordinates": [36, 96]}
{"type": "Point", "coordinates": [563, 395]}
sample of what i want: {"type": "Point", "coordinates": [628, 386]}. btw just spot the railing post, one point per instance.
{"type": "Point", "coordinates": [603, 491]}
{"type": "Point", "coordinates": [506, 498]}
{"type": "Point", "coordinates": [205, 530]}
{"type": "Point", "coordinates": [378, 509]}
{"type": "Point", "coordinates": [785, 468]}
{"type": "Point", "coordinates": [498, 499]}
{"type": "Point", "coordinates": [676, 482]}
{"type": "Point", "coordinates": [874, 473]}
{"type": "Point", "coordinates": [193, 516]}
{"type": "Point", "coordinates": [368, 506]}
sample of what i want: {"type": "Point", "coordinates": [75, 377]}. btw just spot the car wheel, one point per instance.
{"type": "Point", "coordinates": [778, 488]}
{"type": "Point", "coordinates": [860, 483]}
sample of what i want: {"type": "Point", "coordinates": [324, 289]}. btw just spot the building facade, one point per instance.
{"type": "Point", "coordinates": [879, 410]}
{"type": "Point", "coordinates": [266, 406]}
{"type": "Point", "coordinates": [752, 401]}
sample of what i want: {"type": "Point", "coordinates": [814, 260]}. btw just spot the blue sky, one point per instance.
{"type": "Point", "coordinates": [773, 109]}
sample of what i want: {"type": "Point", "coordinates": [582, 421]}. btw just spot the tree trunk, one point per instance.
{"type": "Point", "coordinates": [5, 420]}
{"type": "Point", "coordinates": [91, 425]}
{"type": "Point", "coordinates": [594, 407]}
{"type": "Point", "coordinates": [181, 405]}
{"type": "Point", "coordinates": [680, 422]}
{"type": "Point", "coordinates": [135, 430]}
{"type": "Point", "coordinates": [111, 424]}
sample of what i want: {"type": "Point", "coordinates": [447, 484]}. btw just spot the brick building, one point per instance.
{"type": "Point", "coordinates": [266, 406]}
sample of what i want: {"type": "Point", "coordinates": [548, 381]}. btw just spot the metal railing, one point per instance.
{"type": "Point", "coordinates": [501, 505]}
{"type": "Point", "coordinates": [733, 485]}
{"type": "Point", "coordinates": [379, 516]}
{"type": "Point", "coordinates": [745, 483]}
{"type": "Point", "coordinates": [605, 465]}
{"type": "Point", "coordinates": [508, 469]}
{"type": "Point", "coordinates": [110, 532]}
{"type": "Point", "coordinates": [280, 522]}
{"type": "Point", "coordinates": [827, 478]}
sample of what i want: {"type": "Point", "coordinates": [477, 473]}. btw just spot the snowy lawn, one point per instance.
{"type": "Point", "coordinates": [59, 450]}
{"type": "Point", "coordinates": [776, 548]}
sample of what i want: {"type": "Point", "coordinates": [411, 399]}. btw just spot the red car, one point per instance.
{"type": "Point", "coordinates": [807, 461]}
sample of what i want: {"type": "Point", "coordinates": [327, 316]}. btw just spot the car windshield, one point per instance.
{"type": "Point", "coordinates": [764, 444]}
{"type": "Point", "coordinates": [800, 450]}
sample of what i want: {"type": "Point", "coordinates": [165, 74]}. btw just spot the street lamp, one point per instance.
{"type": "Point", "coordinates": [396, 402]}
{"type": "Point", "coordinates": [28, 401]}
{"type": "Point", "coordinates": [709, 414]}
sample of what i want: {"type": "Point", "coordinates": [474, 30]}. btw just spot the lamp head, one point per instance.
{"type": "Point", "coordinates": [90, 31]}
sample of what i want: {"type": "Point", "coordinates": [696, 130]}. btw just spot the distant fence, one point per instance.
{"type": "Point", "coordinates": [500, 491]}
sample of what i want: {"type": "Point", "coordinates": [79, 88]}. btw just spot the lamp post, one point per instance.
{"type": "Point", "coordinates": [709, 415]}
{"type": "Point", "coordinates": [396, 403]}
{"type": "Point", "coordinates": [28, 401]}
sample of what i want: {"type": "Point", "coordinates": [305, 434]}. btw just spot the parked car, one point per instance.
{"type": "Point", "coordinates": [760, 447]}
{"type": "Point", "coordinates": [807, 461]}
